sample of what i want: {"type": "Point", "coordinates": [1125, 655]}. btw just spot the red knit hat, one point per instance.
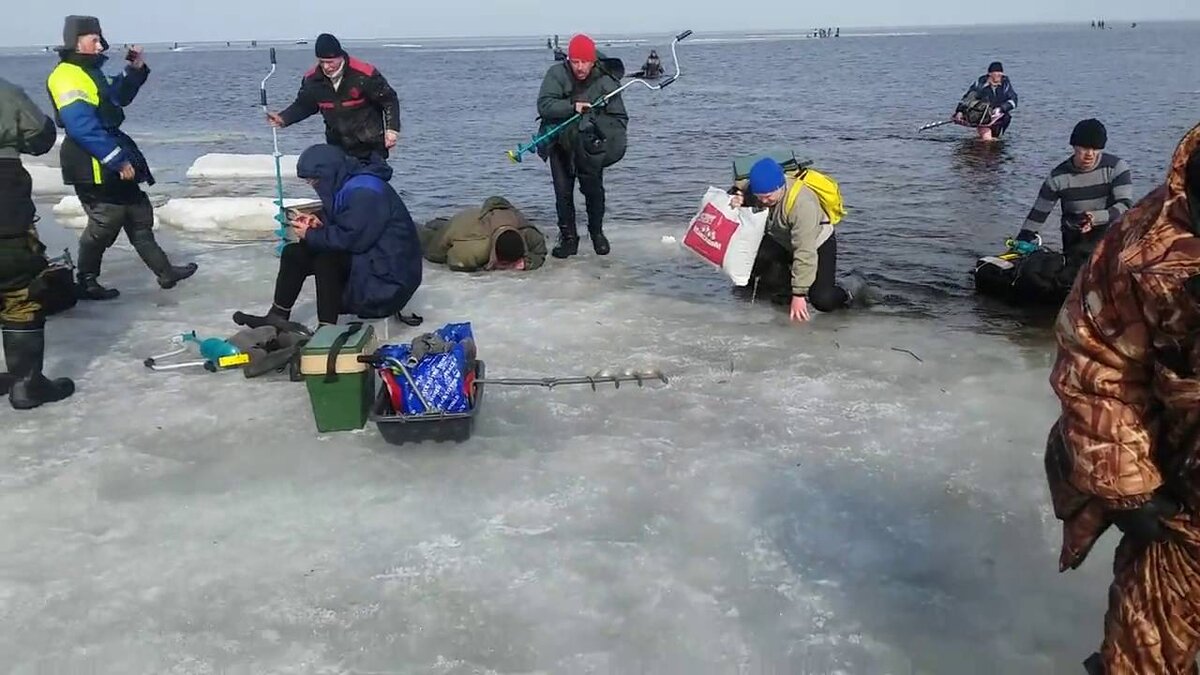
{"type": "Point", "coordinates": [581, 48]}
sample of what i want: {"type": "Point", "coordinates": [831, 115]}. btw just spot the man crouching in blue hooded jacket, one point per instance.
{"type": "Point", "coordinates": [362, 248]}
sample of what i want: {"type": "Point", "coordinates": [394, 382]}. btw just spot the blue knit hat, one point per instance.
{"type": "Point", "coordinates": [766, 176]}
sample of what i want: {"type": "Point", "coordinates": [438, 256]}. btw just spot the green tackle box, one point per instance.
{"type": "Point", "coordinates": [340, 388]}
{"type": "Point", "coordinates": [788, 159]}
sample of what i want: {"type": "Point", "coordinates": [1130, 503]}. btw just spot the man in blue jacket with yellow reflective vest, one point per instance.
{"type": "Point", "coordinates": [103, 163]}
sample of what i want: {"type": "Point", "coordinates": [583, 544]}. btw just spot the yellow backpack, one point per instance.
{"type": "Point", "coordinates": [827, 190]}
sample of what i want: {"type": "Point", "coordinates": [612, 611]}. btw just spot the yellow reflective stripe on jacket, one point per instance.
{"type": "Point", "coordinates": [96, 174]}
{"type": "Point", "coordinates": [69, 83]}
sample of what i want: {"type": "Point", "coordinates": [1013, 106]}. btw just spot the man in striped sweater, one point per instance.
{"type": "Point", "coordinates": [1095, 188]}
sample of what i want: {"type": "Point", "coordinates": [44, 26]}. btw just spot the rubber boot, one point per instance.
{"type": "Point", "coordinates": [89, 288]}
{"type": "Point", "coordinates": [6, 381]}
{"type": "Point", "coordinates": [24, 349]}
{"type": "Point", "coordinates": [859, 291]}
{"type": "Point", "coordinates": [91, 253]}
{"type": "Point", "coordinates": [156, 259]}
{"type": "Point", "coordinates": [275, 317]}
{"type": "Point", "coordinates": [176, 273]}
{"type": "Point", "coordinates": [568, 243]}
{"type": "Point", "coordinates": [599, 241]}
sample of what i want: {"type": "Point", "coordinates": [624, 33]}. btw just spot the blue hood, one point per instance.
{"type": "Point", "coordinates": [332, 167]}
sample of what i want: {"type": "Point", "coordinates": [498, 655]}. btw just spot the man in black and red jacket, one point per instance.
{"type": "Point", "coordinates": [361, 110]}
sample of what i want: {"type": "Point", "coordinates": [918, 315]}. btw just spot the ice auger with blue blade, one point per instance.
{"type": "Point", "coordinates": [280, 216]}
{"type": "Point", "coordinates": [532, 145]}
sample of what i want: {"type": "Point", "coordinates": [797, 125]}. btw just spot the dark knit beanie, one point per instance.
{"type": "Point", "coordinates": [996, 67]}
{"type": "Point", "coordinates": [328, 47]}
{"type": "Point", "coordinates": [510, 247]}
{"type": "Point", "coordinates": [1090, 133]}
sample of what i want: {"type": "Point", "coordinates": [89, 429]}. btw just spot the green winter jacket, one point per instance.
{"type": "Point", "coordinates": [599, 139]}
{"type": "Point", "coordinates": [466, 241]}
{"type": "Point", "coordinates": [24, 128]}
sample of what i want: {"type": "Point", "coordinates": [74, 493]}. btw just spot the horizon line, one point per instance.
{"type": "Point", "coordinates": [601, 35]}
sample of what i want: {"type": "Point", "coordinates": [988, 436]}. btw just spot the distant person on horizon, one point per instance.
{"type": "Point", "coordinates": [652, 68]}
{"type": "Point", "coordinates": [997, 92]}
{"type": "Point", "coordinates": [102, 162]}
{"type": "Point", "coordinates": [582, 150]}
{"type": "Point", "coordinates": [360, 108]}
{"type": "Point", "coordinates": [1095, 188]}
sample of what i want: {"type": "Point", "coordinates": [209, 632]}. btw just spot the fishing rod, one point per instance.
{"type": "Point", "coordinates": [281, 216]}
{"type": "Point", "coordinates": [531, 146]}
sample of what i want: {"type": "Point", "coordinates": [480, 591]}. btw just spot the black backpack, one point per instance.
{"type": "Point", "coordinates": [1042, 277]}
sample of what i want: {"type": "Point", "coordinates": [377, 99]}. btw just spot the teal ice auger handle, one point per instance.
{"type": "Point", "coordinates": [212, 351]}
{"type": "Point", "coordinates": [1023, 247]}
{"type": "Point", "coordinates": [531, 146]}
{"type": "Point", "coordinates": [281, 216]}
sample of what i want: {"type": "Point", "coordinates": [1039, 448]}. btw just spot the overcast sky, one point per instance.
{"type": "Point", "coordinates": [195, 20]}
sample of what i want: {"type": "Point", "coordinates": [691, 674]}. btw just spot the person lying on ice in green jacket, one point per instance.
{"type": "Point", "coordinates": [495, 236]}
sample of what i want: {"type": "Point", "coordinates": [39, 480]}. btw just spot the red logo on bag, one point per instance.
{"type": "Point", "coordinates": [709, 234]}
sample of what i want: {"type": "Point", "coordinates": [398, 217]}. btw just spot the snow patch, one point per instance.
{"type": "Point", "coordinates": [69, 213]}
{"type": "Point", "coordinates": [231, 214]}
{"type": "Point", "coordinates": [240, 215]}
{"type": "Point", "coordinates": [219, 165]}
{"type": "Point", "coordinates": [47, 180]}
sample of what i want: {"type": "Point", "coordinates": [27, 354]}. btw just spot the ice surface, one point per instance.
{"type": "Point", "coordinates": [47, 180]}
{"type": "Point", "coordinates": [219, 166]}
{"type": "Point", "coordinates": [238, 215]}
{"type": "Point", "coordinates": [800, 499]}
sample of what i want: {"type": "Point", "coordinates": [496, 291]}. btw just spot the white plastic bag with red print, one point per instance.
{"type": "Point", "coordinates": [726, 237]}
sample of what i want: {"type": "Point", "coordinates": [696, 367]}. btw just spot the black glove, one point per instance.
{"type": "Point", "coordinates": [1027, 235]}
{"type": "Point", "coordinates": [1145, 523]}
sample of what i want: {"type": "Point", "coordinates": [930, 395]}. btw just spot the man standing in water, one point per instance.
{"type": "Point", "coordinates": [582, 150]}
{"type": "Point", "coordinates": [995, 90]}
{"type": "Point", "coordinates": [1126, 449]}
{"type": "Point", "coordinates": [1095, 188]}
{"type": "Point", "coordinates": [360, 108]}
{"type": "Point", "coordinates": [101, 161]}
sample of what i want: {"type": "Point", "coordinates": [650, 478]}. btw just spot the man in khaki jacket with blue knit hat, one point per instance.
{"type": "Point", "coordinates": [799, 250]}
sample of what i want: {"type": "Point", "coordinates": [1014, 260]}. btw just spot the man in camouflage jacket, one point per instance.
{"type": "Point", "coordinates": [1126, 449]}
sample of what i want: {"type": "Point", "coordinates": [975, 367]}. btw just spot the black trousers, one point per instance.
{"type": "Point", "coordinates": [1078, 247]}
{"type": "Point", "coordinates": [109, 212]}
{"type": "Point", "coordinates": [564, 173]}
{"type": "Point", "coordinates": [773, 273]}
{"type": "Point", "coordinates": [331, 269]}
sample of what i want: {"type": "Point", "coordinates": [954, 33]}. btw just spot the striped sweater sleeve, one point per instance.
{"type": "Point", "coordinates": [1121, 198]}
{"type": "Point", "coordinates": [1046, 199]}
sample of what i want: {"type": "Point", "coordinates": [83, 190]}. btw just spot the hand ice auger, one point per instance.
{"type": "Point", "coordinates": [215, 354]}
{"type": "Point", "coordinates": [531, 146]}
{"type": "Point", "coordinates": [281, 216]}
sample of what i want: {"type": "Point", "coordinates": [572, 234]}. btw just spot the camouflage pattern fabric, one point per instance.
{"type": "Point", "coordinates": [1128, 377]}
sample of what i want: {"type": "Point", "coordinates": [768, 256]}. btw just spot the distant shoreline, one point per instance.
{"type": "Point", "coordinates": [1116, 24]}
